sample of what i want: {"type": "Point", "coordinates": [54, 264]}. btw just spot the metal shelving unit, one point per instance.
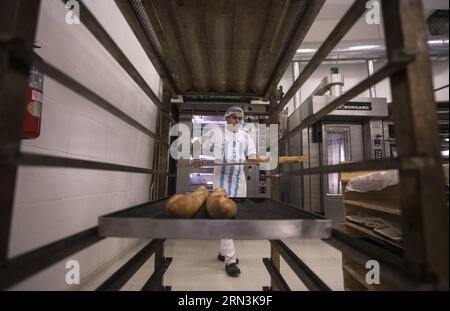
{"type": "Point", "coordinates": [424, 264]}
{"type": "Point", "coordinates": [256, 219]}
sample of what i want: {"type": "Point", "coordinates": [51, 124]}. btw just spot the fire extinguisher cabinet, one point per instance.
{"type": "Point", "coordinates": [33, 108]}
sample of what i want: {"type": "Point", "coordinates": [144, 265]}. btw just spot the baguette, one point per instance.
{"type": "Point", "coordinates": [220, 206]}
{"type": "Point", "coordinates": [187, 205]}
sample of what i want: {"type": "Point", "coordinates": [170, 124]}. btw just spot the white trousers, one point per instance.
{"type": "Point", "coordinates": [227, 250]}
{"type": "Point", "coordinates": [232, 179]}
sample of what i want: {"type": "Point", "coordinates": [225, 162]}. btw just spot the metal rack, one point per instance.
{"type": "Point", "coordinates": [17, 30]}
{"type": "Point", "coordinates": [424, 264]}
{"type": "Point", "coordinates": [256, 219]}
{"type": "Point", "coordinates": [425, 216]}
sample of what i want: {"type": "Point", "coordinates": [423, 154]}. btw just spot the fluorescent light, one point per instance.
{"type": "Point", "coordinates": [444, 153]}
{"type": "Point", "coordinates": [306, 50]}
{"type": "Point", "coordinates": [362, 47]}
{"type": "Point", "coordinates": [437, 41]}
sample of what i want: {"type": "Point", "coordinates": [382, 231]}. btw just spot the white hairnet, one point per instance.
{"type": "Point", "coordinates": [234, 110]}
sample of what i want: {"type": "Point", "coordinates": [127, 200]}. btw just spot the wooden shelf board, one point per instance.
{"type": "Point", "coordinates": [372, 234]}
{"type": "Point", "coordinates": [356, 276]}
{"type": "Point", "coordinates": [390, 207]}
{"type": "Point", "coordinates": [358, 271]}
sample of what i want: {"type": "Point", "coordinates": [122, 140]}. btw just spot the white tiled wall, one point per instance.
{"type": "Point", "coordinates": [52, 203]}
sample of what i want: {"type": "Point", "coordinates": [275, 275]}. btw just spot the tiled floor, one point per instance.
{"type": "Point", "coordinates": [195, 266]}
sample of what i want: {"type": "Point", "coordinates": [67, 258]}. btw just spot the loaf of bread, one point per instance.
{"type": "Point", "coordinates": [220, 206]}
{"type": "Point", "coordinates": [187, 205]}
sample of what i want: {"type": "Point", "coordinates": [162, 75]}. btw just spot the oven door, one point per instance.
{"type": "Point", "coordinates": [341, 143]}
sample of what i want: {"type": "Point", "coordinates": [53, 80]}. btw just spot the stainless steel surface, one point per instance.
{"type": "Point", "coordinates": [335, 143]}
{"type": "Point", "coordinates": [373, 140]}
{"type": "Point", "coordinates": [258, 185]}
{"type": "Point", "coordinates": [256, 219]}
{"type": "Point", "coordinates": [309, 198]}
{"type": "Point", "coordinates": [390, 143]}
{"type": "Point", "coordinates": [339, 139]}
{"type": "Point", "coordinates": [370, 71]}
{"type": "Point", "coordinates": [341, 142]}
{"type": "Point", "coordinates": [292, 188]}
{"type": "Point", "coordinates": [341, 103]}
{"type": "Point", "coordinates": [336, 90]}
{"type": "Point", "coordinates": [359, 108]}
{"type": "Point", "coordinates": [330, 83]}
{"type": "Point", "coordinates": [201, 179]}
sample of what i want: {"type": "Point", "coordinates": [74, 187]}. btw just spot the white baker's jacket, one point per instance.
{"type": "Point", "coordinates": [234, 148]}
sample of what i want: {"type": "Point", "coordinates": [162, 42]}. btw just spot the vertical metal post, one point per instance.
{"type": "Point", "coordinates": [155, 178]}
{"type": "Point", "coordinates": [275, 257]}
{"type": "Point", "coordinates": [425, 215]}
{"type": "Point", "coordinates": [18, 20]}
{"type": "Point", "coordinates": [298, 94]}
{"type": "Point", "coordinates": [159, 262]}
{"type": "Point", "coordinates": [163, 158]}
{"type": "Point", "coordinates": [274, 100]}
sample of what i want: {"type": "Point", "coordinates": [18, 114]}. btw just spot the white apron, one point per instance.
{"type": "Point", "coordinates": [234, 148]}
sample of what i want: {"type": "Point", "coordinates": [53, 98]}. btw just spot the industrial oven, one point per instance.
{"type": "Point", "coordinates": [258, 183]}
{"type": "Point", "coordinates": [352, 132]}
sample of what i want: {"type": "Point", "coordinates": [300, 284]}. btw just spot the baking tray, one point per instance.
{"type": "Point", "coordinates": [256, 219]}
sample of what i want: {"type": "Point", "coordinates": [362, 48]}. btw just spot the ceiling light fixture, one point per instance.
{"type": "Point", "coordinates": [362, 47]}
{"type": "Point", "coordinates": [306, 50]}
{"type": "Point", "coordinates": [438, 42]}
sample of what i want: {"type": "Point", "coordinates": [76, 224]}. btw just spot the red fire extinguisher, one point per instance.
{"type": "Point", "coordinates": [33, 111]}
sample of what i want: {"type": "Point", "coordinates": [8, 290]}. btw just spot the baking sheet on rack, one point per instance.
{"type": "Point", "coordinates": [256, 218]}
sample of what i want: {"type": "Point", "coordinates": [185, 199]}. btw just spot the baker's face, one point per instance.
{"type": "Point", "coordinates": [233, 122]}
{"type": "Point", "coordinates": [234, 119]}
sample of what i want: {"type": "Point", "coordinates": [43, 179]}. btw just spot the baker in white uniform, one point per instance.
{"type": "Point", "coordinates": [237, 146]}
